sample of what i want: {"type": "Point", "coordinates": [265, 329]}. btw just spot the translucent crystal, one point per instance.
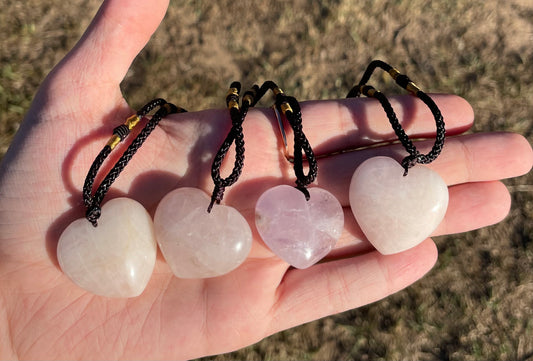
{"type": "Point", "coordinates": [396, 212]}
{"type": "Point", "coordinates": [115, 259]}
{"type": "Point", "coordinates": [197, 244]}
{"type": "Point", "coordinates": [298, 231]}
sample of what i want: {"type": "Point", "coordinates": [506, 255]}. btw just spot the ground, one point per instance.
{"type": "Point", "coordinates": [477, 302]}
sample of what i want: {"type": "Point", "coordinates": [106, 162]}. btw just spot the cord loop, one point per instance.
{"type": "Point", "coordinates": [402, 80]}
{"type": "Point", "coordinates": [92, 201]}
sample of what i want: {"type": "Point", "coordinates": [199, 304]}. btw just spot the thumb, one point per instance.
{"type": "Point", "coordinates": [119, 31]}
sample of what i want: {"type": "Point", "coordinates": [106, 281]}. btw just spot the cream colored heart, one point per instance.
{"type": "Point", "coordinates": [395, 212]}
{"type": "Point", "coordinates": [197, 244]}
{"type": "Point", "coordinates": [115, 259]}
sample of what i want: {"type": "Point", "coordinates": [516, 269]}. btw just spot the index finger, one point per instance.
{"type": "Point", "coordinates": [345, 124]}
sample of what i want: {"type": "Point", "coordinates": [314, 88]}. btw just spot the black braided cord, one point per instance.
{"type": "Point", "coordinates": [93, 201]}
{"type": "Point", "coordinates": [301, 146]}
{"type": "Point", "coordinates": [301, 143]}
{"type": "Point", "coordinates": [122, 131]}
{"type": "Point", "coordinates": [236, 134]}
{"type": "Point", "coordinates": [238, 114]}
{"type": "Point", "coordinates": [91, 175]}
{"type": "Point", "coordinates": [402, 80]}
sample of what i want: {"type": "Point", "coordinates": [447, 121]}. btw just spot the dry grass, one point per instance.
{"type": "Point", "coordinates": [477, 302]}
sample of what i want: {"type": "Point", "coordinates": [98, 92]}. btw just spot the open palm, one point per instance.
{"type": "Point", "coordinates": [44, 315]}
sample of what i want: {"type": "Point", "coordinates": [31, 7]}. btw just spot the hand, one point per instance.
{"type": "Point", "coordinates": [44, 315]}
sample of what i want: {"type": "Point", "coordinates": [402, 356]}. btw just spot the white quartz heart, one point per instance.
{"type": "Point", "coordinates": [115, 259]}
{"type": "Point", "coordinates": [197, 244]}
{"type": "Point", "coordinates": [298, 231]}
{"type": "Point", "coordinates": [395, 212]}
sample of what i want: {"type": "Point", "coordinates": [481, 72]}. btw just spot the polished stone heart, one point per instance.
{"type": "Point", "coordinates": [197, 244]}
{"type": "Point", "coordinates": [298, 231]}
{"type": "Point", "coordinates": [115, 259]}
{"type": "Point", "coordinates": [395, 212]}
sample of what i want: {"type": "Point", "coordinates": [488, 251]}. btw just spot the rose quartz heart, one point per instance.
{"type": "Point", "coordinates": [396, 212]}
{"type": "Point", "coordinates": [197, 244]}
{"type": "Point", "coordinates": [298, 231]}
{"type": "Point", "coordinates": [115, 259]}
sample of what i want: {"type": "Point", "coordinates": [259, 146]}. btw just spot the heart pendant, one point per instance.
{"type": "Point", "coordinates": [115, 259]}
{"type": "Point", "coordinates": [197, 244]}
{"type": "Point", "coordinates": [396, 212]}
{"type": "Point", "coordinates": [298, 231]}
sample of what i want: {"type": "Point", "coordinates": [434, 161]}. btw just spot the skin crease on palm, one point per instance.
{"type": "Point", "coordinates": [44, 315]}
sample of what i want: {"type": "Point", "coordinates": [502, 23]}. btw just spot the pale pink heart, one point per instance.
{"type": "Point", "coordinates": [395, 212]}
{"type": "Point", "coordinates": [115, 259]}
{"type": "Point", "coordinates": [298, 231]}
{"type": "Point", "coordinates": [197, 244]}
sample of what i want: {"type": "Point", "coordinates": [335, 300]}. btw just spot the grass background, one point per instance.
{"type": "Point", "coordinates": [477, 303]}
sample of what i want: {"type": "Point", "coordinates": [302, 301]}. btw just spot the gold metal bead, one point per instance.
{"type": "Point", "coordinates": [132, 121]}
{"type": "Point", "coordinates": [232, 91]}
{"type": "Point", "coordinates": [394, 73]}
{"type": "Point", "coordinates": [277, 90]}
{"type": "Point", "coordinates": [285, 107]}
{"type": "Point", "coordinates": [412, 88]}
{"type": "Point", "coordinates": [233, 104]}
{"type": "Point", "coordinates": [248, 98]}
{"type": "Point", "coordinates": [113, 141]}
{"type": "Point", "coordinates": [368, 90]}
{"type": "Point", "coordinates": [167, 107]}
